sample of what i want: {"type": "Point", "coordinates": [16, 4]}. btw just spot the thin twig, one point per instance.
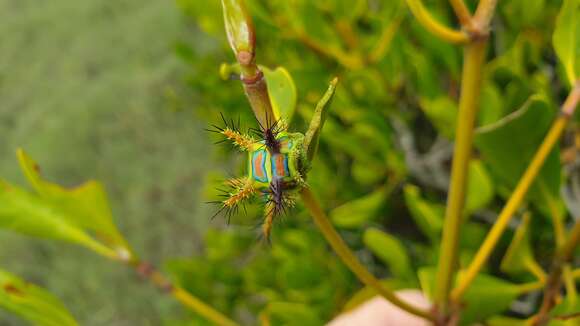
{"type": "Point", "coordinates": [149, 272]}
{"type": "Point", "coordinates": [461, 11]}
{"type": "Point", "coordinates": [426, 19]}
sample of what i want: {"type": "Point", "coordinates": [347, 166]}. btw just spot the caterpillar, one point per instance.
{"type": "Point", "coordinates": [277, 164]}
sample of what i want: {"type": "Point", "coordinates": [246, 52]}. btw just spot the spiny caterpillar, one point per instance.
{"type": "Point", "coordinates": [278, 161]}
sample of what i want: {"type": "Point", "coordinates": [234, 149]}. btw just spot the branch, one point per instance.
{"type": "Point", "coordinates": [552, 137]}
{"type": "Point", "coordinates": [148, 271]}
{"type": "Point", "coordinates": [350, 260]}
{"type": "Point", "coordinates": [426, 19]}
{"type": "Point", "coordinates": [468, 107]}
{"type": "Point", "coordinates": [461, 11]}
{"type": "Point", "coordinates": [484, 13]}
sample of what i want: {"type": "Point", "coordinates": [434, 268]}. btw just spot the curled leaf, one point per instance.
{"type": "Point", "coordinates": [313, 134]}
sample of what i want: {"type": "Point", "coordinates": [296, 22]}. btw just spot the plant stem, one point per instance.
{"type": "Point", "coordinates": [350, 260]}
{"type": "Point", "coordinates": [426, 19]}
{"type": "Point", "coordinates": [552, 288]}
{"type": "Point", "coordinates": [461, 12]}
{"type": "Point", "coordinates": [148, 271]}
{"type": "Point", "coordinates": [529, 287]}
{"type": "Point", "coordinates": [534, 268]}
{"type": "Point", "coordinates": [484, 13]}
{"type": "Point", "coordinates": [468, 105]}
{"type": "Point", "coordinates": [519, 193]}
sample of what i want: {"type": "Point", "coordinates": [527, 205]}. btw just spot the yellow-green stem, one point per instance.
{"type": "Point", "coordinates": [461, 11]}
{"type": "Point", "coordinates": [509, 209]}
{"type": "Point", "coordinates": [148, 272]}
{"type": "Point", "coordinates": [425, 18]}
{"type": "Point", "coordinates": [350, 260]}
{"type": "Point", "coordinates": [535, 268]}
{"type": "Point", "coordinates": [529, 287]}
{"type": "Point", "coordinates": [518, 194]}
{"type": "Point", "coordinates": [474, 60]}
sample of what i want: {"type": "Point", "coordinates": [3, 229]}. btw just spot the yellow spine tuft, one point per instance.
{"type": "Point", "coordinates": [245, 142]}
{"type": "Point", "coordinates": [243, 189]}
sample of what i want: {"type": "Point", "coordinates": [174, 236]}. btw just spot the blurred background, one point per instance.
{"type": "Point", "coordinates": [120, 91]}
{"type": "Point", "coordinates": [93, 89]}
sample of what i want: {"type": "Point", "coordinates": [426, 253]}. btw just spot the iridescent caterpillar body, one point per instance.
{"type": "Point", "coordinates": [278, 162]}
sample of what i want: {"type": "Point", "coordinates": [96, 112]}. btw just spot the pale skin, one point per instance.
{"type": "Point", "coordinates": [379, 312]}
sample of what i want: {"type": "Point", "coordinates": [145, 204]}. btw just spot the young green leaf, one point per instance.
{"type": "Point", "coordinates": [313, 134]}
{"type": "Point", "coordinates": [566, 38]}
{"type": "Point", "coordinates": [487, 296]}
{"type": "Point", "coordinates": [282, 93]}
{"type": "Point", "coordinates": [519, 254]}
{"type": "Point", "coordinates": [85, 206]}
{"type": "Point", "coordinates": [356, 213]}
{"type": "Point", "coordinates": [80, 215]}
{"type": "Point", "coordinates": [442, 112]}
{"type": "Point", "coordinates": [239, 28]}
{"type": "Point", "coordinates": [507, 146]}
{"type": "Point", "coordinates": [480, 189]}
{"type": "Point", "coordinates": [427, 215]}
{"type": "Point", "coordinates": [32, 303]}
{"type": "Point", "coordinates": [390, 250]}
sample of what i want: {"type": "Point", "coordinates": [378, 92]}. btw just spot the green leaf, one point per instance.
{"type": "Point", "coordinates": [390, 250]}
{"type": "Point", "coordinates": [566, 38]}
{"type": "Point", "coordinates": [568, 307]}
{"type": "Point", "coordinates": [480, 189]}
{"type": "Point", "coordinates": [32, 303]}
{"type": "Point", "coordinates": [428, 215]}
{"type": "Point", "coordinates": [492, 105]}
{"type": "Point", "coordinates": [313, 133]}
{"type": "Point", "coordinates": [427, 276]}
{"type": "Point", "coordinates": [508, 145]}
{"type": "Point", "coordinates": [85, 206]}
{"type": "Point", "coordinates": [282, 93]}
{"type": "Point", "coordinates": [80, 215]}
{"type": "Point", "coordinates": [239, 26]}
{"type": "Point", "coordinates": [486, 297]}
{"type": "Point", "coordinates": [442, 112]}
{"type": "Point", "coordinates": [358, 212]}
{"type": "Point", "coordinates": [519, 253]}
{"type": "Point", "coordinates": [290, 313]}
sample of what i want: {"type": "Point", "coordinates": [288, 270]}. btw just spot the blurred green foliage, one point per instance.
{"type": "Point", "coordinates": [382, 170]}
{"type": "Point", "coordinates": [90, 89]}
{"type": "Point", "coordinates": [386, 146]}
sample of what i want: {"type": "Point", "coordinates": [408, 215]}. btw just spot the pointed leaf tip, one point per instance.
{"type": "Point", "coordinates": [313, 134]}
